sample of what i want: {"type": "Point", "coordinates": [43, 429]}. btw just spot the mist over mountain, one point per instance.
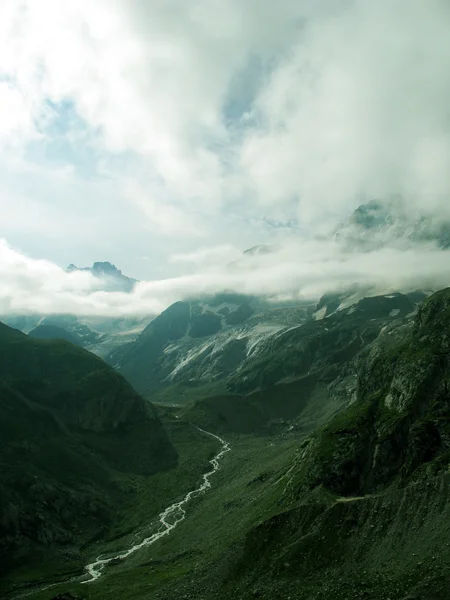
{"type": "Point", "coordinates": [393, 221]}
{"type": "Point", "coordinates": [383, 247]}
{"type": "Point", "coordinates": [111, 277]}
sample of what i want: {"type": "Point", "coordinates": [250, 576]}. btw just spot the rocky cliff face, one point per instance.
{"type": "Point", "coordinates": [397, 425]}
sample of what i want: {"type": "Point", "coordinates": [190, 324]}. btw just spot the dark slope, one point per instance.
{"type": "Point", "coordinates": [70, 429]}
{"type": "Point", "coordinates": [139, 361]}
{"type": "Point", "coordinates": [306, 374]}
{"type": "Point", "coordinates": [265, 349]}
{"type": "Point", "coordinates": [364, 508]}
{"type": "Point", "coordinates": [52, 332]}
{"type": "Point", "coordinates": [148, 361]}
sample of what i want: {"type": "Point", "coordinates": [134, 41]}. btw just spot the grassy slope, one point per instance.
{"type": "Point", "coordinates": [243, 493]}
{"type": "Point", "coordinates": [246, 538]}
{"type": "Point", "coordinates": [139, 501]}
{"type": "Point", "coordinates": [72, 433]}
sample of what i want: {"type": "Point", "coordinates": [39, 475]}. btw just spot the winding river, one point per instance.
{"type": "Point", "coordinates": [168, 519]}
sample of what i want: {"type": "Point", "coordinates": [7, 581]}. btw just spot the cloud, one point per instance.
{"type": "Point", "coordinates": [165, 217]}
{"type": "Point", "coordinates": [357, 108]}
{"type": "Point", "coordinates": [296, 271]}
{"type": "Point", "coordinates": [215, 256]}
{"type": "Point", "coordinates": [197, 119]}
{"type": "Point", "coordinates": [15, 119]}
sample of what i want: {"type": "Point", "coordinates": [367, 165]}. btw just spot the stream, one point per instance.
{"type": "Point", "coordinates": [168, 519]}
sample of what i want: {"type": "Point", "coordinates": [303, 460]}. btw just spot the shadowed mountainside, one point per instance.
{"type": "Point", "coordinates": [364, 506]}
{"type": "Point", "coordinates": [70, 426]}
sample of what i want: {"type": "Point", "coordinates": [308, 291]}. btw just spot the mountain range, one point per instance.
{"type": "Point", "coordinates": [97, 334]}
{"type": "Point", "coordinates": [336, 413]}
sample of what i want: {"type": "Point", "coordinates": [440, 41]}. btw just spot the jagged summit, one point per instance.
{"type": "Point", "coordinates": [392, 221]}
{"type": "Point", "coordinates": [98, 268]}
{"type": "Point", "coordinates": [113, 277]}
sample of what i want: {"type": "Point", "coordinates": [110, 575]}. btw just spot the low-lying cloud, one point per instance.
{"type": "Point", "coordinates": [297, 271]}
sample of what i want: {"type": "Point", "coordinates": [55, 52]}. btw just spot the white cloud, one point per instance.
{"type": "Point", "coordinates": [198, 118]}
{"type": "Point", "coordinates": [214, 257]}
{"type": "Point", "coordinates": [302, 270]}
{"type": "Point", "coordinates": [357, 107]}
{"type": "Point", "coordinates": [164, 217]}
{"type": "Point", "coordinates": [15, 119]}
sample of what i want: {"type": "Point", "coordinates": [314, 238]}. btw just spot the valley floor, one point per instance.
{"type": "Point", "coordinates": [240, 497]}
{"type": "Point", "coordinates": [394, 546]}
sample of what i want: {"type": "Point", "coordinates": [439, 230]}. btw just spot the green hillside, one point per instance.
{"type": "Point", "coordinates": [70, 429]}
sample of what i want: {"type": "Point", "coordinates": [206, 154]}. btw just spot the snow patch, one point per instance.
{"type": "Point", "coordinates": [260, 333]}
{"type": "Point", "coordinates": [215, 309]}
{"type": "Point", "coordinates": [217, 344]}
{"type": "Point", "coordinates": [320, 314]}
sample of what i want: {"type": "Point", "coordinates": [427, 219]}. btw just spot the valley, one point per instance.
{"type": "Point", "coordinates": [337, 482]}
{"type": "Point", "coordinates": [167, 520]}
{"type": "Point", "coordinates": [224, 300]}
{"type": "Point", "coordinates": [241, 495]}
{"type": "Point", "coordinates": [247, 537]}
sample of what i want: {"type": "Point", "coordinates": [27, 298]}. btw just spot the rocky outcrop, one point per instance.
{"type": "Point", "coordinates": [398, 428]}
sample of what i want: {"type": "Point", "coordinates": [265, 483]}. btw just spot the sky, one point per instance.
{"type": "Point", "coordinates": [168, 136]}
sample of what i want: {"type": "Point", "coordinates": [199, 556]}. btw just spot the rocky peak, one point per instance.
{"type": "Point", "coordinates": [388, 220]}
{"type": "Point", "coordinates": [378, 213]}
{"type": "Point", "coordinates": [112, 277]}
{"type": "Point", "coordinates": [105, 268]}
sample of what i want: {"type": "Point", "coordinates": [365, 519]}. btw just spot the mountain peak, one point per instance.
{"type": "Point", "coordinates": [391, 220]}
{"type": "Point", "coordinates": [113, 277]}
{"type": "Point", "coordinates": [105, 268]}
